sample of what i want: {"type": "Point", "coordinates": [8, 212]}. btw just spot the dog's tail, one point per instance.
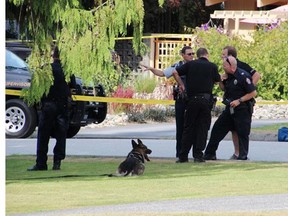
{"type": "Point", "coordinates": [106, 174]}
{"type": "Point", "coordinates": [116, 174]}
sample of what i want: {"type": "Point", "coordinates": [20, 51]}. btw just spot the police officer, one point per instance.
{"type": "Point", "coordinates": [239, 90]}
{"type": "Point", "coordinates": [180, 103]}
{"type": "Point", "coordinates": [201, 75]}
{"type": "Point", "coordinates": [231, 51]}
{"type": "Point", "coordinates": [53, 119]}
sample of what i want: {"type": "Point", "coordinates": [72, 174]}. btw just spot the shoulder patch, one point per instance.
{"type": "Point", "coordinates": [248, 81]}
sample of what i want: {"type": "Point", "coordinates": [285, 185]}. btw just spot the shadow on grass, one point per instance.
{"type": "Point", "coordinates": [93, 168]}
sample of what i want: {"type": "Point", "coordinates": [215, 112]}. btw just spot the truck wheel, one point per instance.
{"type": "Point", "coordinates": [102, 112]}
{"type": "Point", "coordinates": [100, 115]}
{"type": "Point", "coordinates": [73, 130]}
{"type": "Point", "coordinates": [20, 120]}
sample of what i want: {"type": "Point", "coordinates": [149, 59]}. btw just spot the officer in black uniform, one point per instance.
{"type": "Point", "coordinates": [239, 90]}
{"type": "Point", "coordinates": [53, 119]}
{"type": "Point", "coordinates": [201, 75]}
{"type": "Point", "coordinates": [180, 100]}
{"type": "Point", "coordinates": [231, 51]}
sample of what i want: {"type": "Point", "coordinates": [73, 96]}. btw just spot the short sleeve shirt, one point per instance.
{"type": "Point", "coordinates": [238, 85]}
{"type": "Point", "coordinates": [168, 72]}
{"type": "Point", "coordinates": [246, 67]}
{"type": "Point", "coordinates": [201, 76]}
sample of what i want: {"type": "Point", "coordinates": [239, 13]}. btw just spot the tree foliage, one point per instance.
{"type": "Point", "coordinates": [84, 37]}
{"type": "Point", "coordinates": [175, 15]}
{"type": "Point", "coordinates": [193, 13]}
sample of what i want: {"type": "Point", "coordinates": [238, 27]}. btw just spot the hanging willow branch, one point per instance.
{"type": "Point", "coordinates": [85, 38]}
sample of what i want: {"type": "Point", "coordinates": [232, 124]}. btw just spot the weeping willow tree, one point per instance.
{"type": "Point", "coordinates": [85, 38]}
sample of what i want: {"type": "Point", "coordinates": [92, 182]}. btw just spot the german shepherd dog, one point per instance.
{"type": "Point", "coordinates": [134, 162]}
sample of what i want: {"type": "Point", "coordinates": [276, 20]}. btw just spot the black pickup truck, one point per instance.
{"type": "Point", "coordinates": [21, 120]}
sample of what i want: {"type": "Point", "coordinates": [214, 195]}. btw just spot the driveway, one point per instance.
{"type": "Point", "coordinates": [240, 204]}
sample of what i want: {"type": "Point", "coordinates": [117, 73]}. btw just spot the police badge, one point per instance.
{"type": "Point", "coordinates": [248, 81]}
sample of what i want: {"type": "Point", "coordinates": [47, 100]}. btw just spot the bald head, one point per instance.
{"type": "Point", "coordinates": [230, 64]}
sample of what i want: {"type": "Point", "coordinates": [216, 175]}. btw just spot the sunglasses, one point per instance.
{"type": "Point", "coordinates": [190, 54]}
{"type": "Point", "coordinates": [227, 60]}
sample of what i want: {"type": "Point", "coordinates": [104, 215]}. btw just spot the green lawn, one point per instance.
{"type": "Point", "coordinates": [80, 183]}
{"type": "Point", "coordinates": [270, 128]}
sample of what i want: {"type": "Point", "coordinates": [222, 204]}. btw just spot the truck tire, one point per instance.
{"type": "Point", "coordinates": [20, 119]}
{"type": "Point", "coordinates": [73, 130]}
{"type": "Point", "coordinates": [101, 113]}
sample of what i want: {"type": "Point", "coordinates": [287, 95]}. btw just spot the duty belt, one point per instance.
{"type": "Point", "coordinates": [201, 96]}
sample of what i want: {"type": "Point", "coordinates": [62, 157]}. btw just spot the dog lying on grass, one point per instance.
{"type": "Point", "coordinates": [134, 164]}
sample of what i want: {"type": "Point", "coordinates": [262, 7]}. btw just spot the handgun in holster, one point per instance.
{"type": "Point", "coordinates": [227, 102]}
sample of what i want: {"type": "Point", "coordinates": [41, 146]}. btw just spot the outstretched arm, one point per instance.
{"type": "Point", "coordinates": [155, 71]}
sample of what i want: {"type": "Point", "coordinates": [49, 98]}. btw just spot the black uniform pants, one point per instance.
{"type": "Point", "coordinates": [239, 121]}
{"type": "Point", "coordinates": [53, 119]}
{"type": "Point", "coordinates": [180, 107]}
{"type": "Point", "coordinates": [196, 126]}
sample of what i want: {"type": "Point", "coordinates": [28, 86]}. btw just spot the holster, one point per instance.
{"type": "Point", "coordinates": [213, 101]}
{"type": "Point", "coordinates": [175, 92]}
{"type": "Point", "coordinates": [250, 105]}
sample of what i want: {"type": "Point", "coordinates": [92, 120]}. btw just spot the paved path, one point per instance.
{"type": "Point", "coordinates": [167, 130]}
{"type": "Point", "coordinates": [244, 204]}
{"type": "Point", "coordinates": [161, 148]}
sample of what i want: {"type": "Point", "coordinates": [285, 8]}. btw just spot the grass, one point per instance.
{"type": "Point", "coordinates": [81, 183]}
{"type": "Point", "coordinates": [270, 128]}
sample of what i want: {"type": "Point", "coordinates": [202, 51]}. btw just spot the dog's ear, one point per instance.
{"type": "Point", "coordinates": [139, 142]}
{"type": "Point", "coordinates": [134, 144]}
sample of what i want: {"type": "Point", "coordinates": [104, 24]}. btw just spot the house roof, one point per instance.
{"type": "Point", "coordinates": [260, 3]}
{"type": "Point", "coordinates": [254, 17]}
{"type": "Point", "coordinates": [277, 14]}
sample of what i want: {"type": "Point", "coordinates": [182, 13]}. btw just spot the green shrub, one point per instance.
{"type": "Point", "coordinates": [152, 114]}
{"type": "Point", "coordinates": [137, 117]}
{"type": "Point", "coordinates": [145, 84]}
{"type": "Point", "coordinates": [158, 115]}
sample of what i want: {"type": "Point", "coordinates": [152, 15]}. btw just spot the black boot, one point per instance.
{"type": "Point", "coordinates": [56, 165]}
{"type": "Point", "coordinates": [37, 167]}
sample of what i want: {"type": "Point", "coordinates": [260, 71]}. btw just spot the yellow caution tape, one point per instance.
{"type": "Point", "coordinates": [105, 99]}
{"type": "Point", "coordinates": [272, 102]}
{"type": "Point", "coordinates": [181, 36]}
{"type": "Point", "coordinates": [130, 100]}
{"type": "Point", "coordinates": [121, 100]}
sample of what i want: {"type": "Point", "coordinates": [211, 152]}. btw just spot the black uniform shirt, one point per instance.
{"type": "Point", "coordinates": [238, 85]}
{"type": "Point", "coordinates": [183, 78]}
{"type": "Point", "coordinates": [200, 76]}
{"type": "Point", "coordinates": [59, 89]}
{"type": "Point", "coordinates": [246, 67]}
